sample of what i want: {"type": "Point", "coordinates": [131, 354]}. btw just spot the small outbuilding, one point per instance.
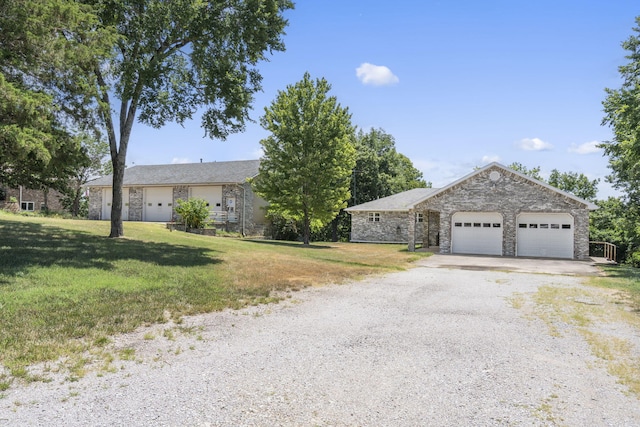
{"type": "Point", "coordinates": [150, 193]}
{"type": "Point", "coordinates": [492, 211]}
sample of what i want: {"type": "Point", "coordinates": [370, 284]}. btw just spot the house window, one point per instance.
{"type": "Point", "coordinates": [374, 216]}
{"type": "Point", "coordinates": [27, 206]}
{"type": "Point", "coordinates": [420, 217]}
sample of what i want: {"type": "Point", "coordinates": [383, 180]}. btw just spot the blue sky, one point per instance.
{"type": "Point", "coordinates": [457, 83]}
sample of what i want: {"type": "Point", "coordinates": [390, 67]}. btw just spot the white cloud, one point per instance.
{"type": "Point", "coordinates": [586, 148]}
{"type": "Point", "coordinates": [177, 160]}
{"type": "Point", "coordinates": [490, 159]}
{"type": "Point", "coordinates": [533, 144]}
{"type": "Point", "coordinates": [376, 75]}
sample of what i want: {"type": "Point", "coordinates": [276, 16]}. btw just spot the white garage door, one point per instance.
{"type": "Point", "coordinates": [158, 203]}
{"type": "Point", "coordinates": [476, 233]}
{"type": "Point", "coordinates": [212, 194]}
{"type": "Point", "coordinates": [545, 235]}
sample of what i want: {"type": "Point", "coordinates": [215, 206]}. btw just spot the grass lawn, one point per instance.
{"type": "Point", "coordinates": [65, 287]}
{"type": "Point", "coordinates": [623, 278]}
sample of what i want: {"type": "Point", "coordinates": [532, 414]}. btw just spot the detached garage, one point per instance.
{"type": "Point", "coordinates": [492, 211]}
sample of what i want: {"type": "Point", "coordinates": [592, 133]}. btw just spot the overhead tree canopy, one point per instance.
{"type": "Point", "coordinates": [622, 114]}
{"type": "Point", "coordinates": [37, 148]}
{"type": "Point", "coordinates": [153, 60]}
{"type": "Point", "coordinates": [308, 158]}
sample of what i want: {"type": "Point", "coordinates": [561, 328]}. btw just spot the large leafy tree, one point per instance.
{"type": "Point", "coordinates": [622, 114]}
{"type": "Point", "coordinates": [38, 108]}
{"type": "Point", "coordinates": [158, 61]}
{"type": "Point", "coordinates": [575, 183]}
{"type": "Point", "coordinates": [308, 158]}
{"type": "Point", "coordinates": [380, 170]}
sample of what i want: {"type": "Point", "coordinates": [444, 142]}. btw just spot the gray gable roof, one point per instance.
{"type": "Point", "coordinates": [397, 202]}
{"type": "Point", "coordinates": [409, 199]}
{"type": "Point", "coordinates": [185, 174]}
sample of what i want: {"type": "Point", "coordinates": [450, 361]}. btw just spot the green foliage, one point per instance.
{"type": "Point", "coordinates": [97, 164]}
{"type": "Point", "coordinates": [616, 221]}
{"type": "Point", "coordinates": [308, 158]}
{"type": "Point", "coordinates": [622, 114]}
{"type": "Point", "coordinates": [533, 172]}
{"type": "Point", "coordinates": [193, 212]}
{"type": "Point", "coordinates": [380, 170]}
{"type": "Point", "coordinates": [108, 63]}
{"type": "Point", "coordinates": [634, 259]}
{"type": "Point", "coordinates": [572, 182]}
{"type": "Point", "coordinates": [575, 183]}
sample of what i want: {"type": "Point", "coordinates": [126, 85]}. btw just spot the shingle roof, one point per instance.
{"type": "Point", "coordinates": [397, 202]}
{"type": "Point", "coordinates": [408, 199]}
{"type": "Point", "coordinates": [185, 174]}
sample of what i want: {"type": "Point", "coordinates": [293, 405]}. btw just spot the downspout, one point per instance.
{"type": "Point", "coordinates": [20, 205]}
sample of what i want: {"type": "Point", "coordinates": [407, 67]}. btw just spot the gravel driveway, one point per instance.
{"type": "Point", "coordinates": [432, 346]}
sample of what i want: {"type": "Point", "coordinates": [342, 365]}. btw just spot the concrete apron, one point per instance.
{"type": "Point", "coordinates": [520, 265]}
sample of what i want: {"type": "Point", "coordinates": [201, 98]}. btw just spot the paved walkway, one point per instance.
{"type": "Point", "coordinates": [521, 265]}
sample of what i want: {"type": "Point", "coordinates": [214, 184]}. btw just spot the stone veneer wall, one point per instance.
{"type": "Point", "coordinates": [510, 195]}
{"type": "Point", "coordinates": [135, 198]}
{"type": "Point", "coordinates": [95, 203]}
{"type": "Point", "coordinates": [393, 227]}
{"type": "Point", "coordinates": [179, 192]}
{"type": "Point", "coordinates": [54, 198]}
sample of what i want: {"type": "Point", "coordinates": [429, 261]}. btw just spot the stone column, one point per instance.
{"type": "Point", "coordinates": [412, 231]}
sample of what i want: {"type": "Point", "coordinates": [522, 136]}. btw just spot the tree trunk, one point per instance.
{"type": "Point", "coordinates": [334, 229]}
{"type": "Point", "coordinates": [307, 230]}
{"type": "Point", "coordinates": [117, 229]}
{"type": "Point", "coordinates": [75, 206]}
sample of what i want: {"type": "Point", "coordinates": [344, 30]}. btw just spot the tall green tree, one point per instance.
{"type": "Point", "coordinates": [46, 47]}
{"type": "Point", "coordinates": [380, 170]}
{"type": "Point", "coordinates": [308, 158]}
{"type": "Point", "coordinates": [575, 183]}
{"type": "Point", "coordinates": [164, 61]}
{"type": "Point", "coordinates": [622, 114]}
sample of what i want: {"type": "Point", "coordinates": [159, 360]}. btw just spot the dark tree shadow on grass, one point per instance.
{"type": "Point", "coordinates": [298, 245]}
{"type": "Point", "coordinates": [27, 244]}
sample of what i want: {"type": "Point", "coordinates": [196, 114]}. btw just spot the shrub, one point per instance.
{"type": "Point", "coordinates": [634, 259]}
{"type": "Point", "coordinates": [194, 212]}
